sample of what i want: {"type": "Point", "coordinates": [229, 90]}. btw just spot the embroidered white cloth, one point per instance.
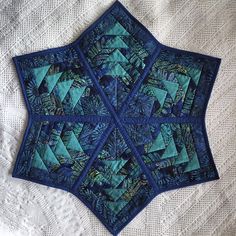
{"type": "Point", "coordinates": [205, 27]}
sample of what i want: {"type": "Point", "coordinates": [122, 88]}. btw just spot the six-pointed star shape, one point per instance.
{"type": "Point", "coordinates": [116, 117]}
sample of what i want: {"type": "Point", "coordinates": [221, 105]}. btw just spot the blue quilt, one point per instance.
{"type": "Point", "coordinates": [116, 118]}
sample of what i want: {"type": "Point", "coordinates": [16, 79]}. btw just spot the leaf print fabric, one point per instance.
{"type": "Point", "coordinates": [116, 118]}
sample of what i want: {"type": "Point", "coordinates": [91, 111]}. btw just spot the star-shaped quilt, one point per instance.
{"type": "Point", "coordinates": [116, 117]}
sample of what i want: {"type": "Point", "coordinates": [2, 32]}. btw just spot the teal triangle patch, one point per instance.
{"type": "Point", "coordinates": [49, 156]}
{"type": "Point", "coordinates": [158, 93]}
{"type": "Point", "coordinates": [40, 73]}
{"type": "Point", "coordinates": [51, 81]}
{"type": "Point", "coordinates": [118, 70]}
{"type": "Point", "coordinates": [38, 163]}
{"type": "Point", "coordinates": [170, 150]}
{"type": "Point", "coordinates": [182, 157]}
{"type": "Point", "coordinates": [60, 149]}
{"type": "Point", "coordinates": [115, 194]}
{"type": "Point", "coordinates": [116, 42]}
{"type": "Point", "coordinates": [116, 207]}
{"type": "Point", "coordinates": [63, 88]}
{"type": "Point", "coordinates": [193, 163]}
{"type": "Point", "coordinates": [117, 56]}
{"type": "Point", "coordinates": [195, 74]}
{"type": "Point", "coordinates": [73, 143]}
{"type": "Point", "coordinates": [158, 144]}
{"type": "Point", "coordinates": [115, 165]}
{"type": "Point", "coordinates": [75, 94]}
{"type": "Point", "coordinates": [117, 29]}
{"type": "Point", "coordinates": [184, 82]}
{"type": "Point", "coordinates": [171, 87]}
{"type": "Point", "coordinates": [116, 180]}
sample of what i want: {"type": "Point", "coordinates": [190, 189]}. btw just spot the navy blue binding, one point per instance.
{"type": "Point", "coordinates": [117, 118]}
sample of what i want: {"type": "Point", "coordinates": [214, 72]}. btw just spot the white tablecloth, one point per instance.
{"type": "Point", "coordinates": [205, 26]}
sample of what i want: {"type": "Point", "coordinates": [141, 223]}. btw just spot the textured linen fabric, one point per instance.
{"type": "Point", "coordinates": [207, 28]}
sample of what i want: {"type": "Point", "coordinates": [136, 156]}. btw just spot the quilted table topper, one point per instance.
{"type": "Point", "coordinates": [116, 117]}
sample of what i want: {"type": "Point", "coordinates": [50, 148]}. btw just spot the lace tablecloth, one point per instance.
{"type": "Point", "coordinates": [207, 27]}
